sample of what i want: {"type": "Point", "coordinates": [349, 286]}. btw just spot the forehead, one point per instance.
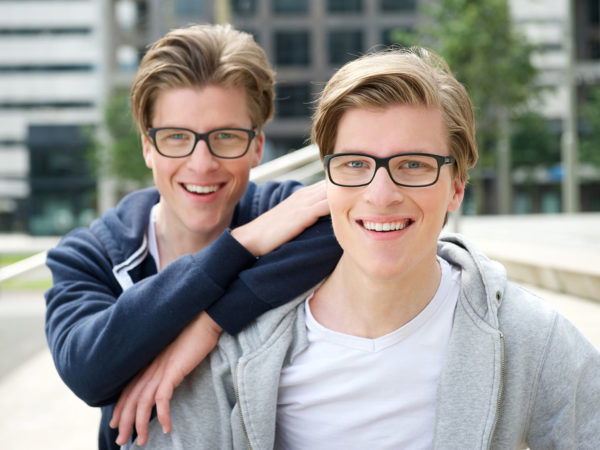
{"type": "Point", "coordinates": [394, 129]}
{"type": "Point", "coordinates": [198, 106]}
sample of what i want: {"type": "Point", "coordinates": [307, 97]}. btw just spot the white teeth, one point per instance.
{"type": "Point", "coordinates": [201, 189]}
{"type": "Point", "coordinates": [386, 226]}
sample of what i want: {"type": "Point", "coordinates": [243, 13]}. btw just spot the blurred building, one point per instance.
{"type": "Point", "coordinates": [60, 59]}
{"type": "Point", "coordinates": [51, 83]}
{"type": "Point", "coordinates": [544, 24]}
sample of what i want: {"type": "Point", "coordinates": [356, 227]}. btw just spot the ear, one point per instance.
{"type": "Point", "coordinates": [147, 149]}
{"type": "Point", "coordinates": [457, 194]}
{"type": "Point", "coordinates": [257, 152]}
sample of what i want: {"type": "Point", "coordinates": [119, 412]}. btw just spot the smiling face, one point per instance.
{"type": "Point", "coordinates": [389, 231]}
{"type": "Point", "coordinates": [199, 192]}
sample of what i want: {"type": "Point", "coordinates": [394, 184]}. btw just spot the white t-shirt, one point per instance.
{"type": "Point", "coordinates": [152, 242]}
{"type": "Point", "coordinates": [348, 392]}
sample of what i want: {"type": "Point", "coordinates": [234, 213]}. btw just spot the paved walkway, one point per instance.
{"type": "Point", "coordinates": [559, 252]}
{"type": "Point", "coordinates": [38, 411]}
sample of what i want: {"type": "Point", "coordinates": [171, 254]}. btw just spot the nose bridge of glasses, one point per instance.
{"type": "Point", "coordinates": [383, 163]}
{"type": "Point", "coordinates": [202, 138]}
{"type": "Point", "coordinates": [201, 152]}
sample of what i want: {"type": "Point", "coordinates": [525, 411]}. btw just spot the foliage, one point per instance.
{"type": "Point", "coordinates": [589, 139]}
{"type": "Point", "coordinates": [535, 141]}
{"type": "Point", "coordinates": [119, 153]}
{"type": "Point", "coordinates": [487, 54]}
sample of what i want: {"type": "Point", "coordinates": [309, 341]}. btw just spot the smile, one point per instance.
{"type": "Point", "coordinates": [387, 226]}
{"type": "Point", "coordinates": [201, 189]}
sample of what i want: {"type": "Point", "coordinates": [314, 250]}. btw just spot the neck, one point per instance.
{"type": "Point", "coordinates": [174, 240]}
{"type": "Point", "coordinates": [353, 302]}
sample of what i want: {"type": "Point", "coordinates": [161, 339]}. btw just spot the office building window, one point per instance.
{"type": "Point", "coordinates": [290, 6]}
{"type": "Point", "coordinates": [292, 48]}
{"type": "Point", "coordinates": [195, 7]}
{"type": "Point", "coordinates": [344, 6]}
{"type": "Point", "coordinates": [62, 183]}
{"type": "Point", "coordinates": [593, 12]}
{"type": "Point", "coordinates": [398, 5]}
{"type": "Point", "coordinates": [243, 7]}
{"type": "Point", "coordinates": [293, 100]}
{"type": "Point", "coordinates": [345, 45]}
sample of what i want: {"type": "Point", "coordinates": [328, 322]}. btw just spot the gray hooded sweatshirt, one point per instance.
{"type": "Point", "coordinates": [517, 374]}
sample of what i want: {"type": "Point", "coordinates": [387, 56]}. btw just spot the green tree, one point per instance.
{"type": "Point", "coordinates": [116, 151]}
{"type": "Point", "coordinates": [124, 151]}
{"type": "Point", "coordinates": [493, 60]}
{"type": "Point", "coordinates": [538, 143]}
{"type": "Point", "coordinates": [589, 140]}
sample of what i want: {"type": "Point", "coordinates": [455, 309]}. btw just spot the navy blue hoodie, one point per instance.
{"type": "Point", "coordinates": [109, 312]}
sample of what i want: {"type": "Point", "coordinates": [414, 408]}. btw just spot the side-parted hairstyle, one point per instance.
{"type": "Point", "coordinates": [412, 76]}
{"type": "Point", "coordinates": [202, 55]}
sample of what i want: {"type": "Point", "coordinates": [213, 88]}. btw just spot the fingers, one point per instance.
{"type": "Point", "coordinates": [116, 416]}
{"type": "Point", "coordinates": [128, 410]}
{"type": "Point", "coordinates": [163, 406]}
{"type": "Point", "coordinates": [285, 221]}
{"type": "Point", "coordinates": [144, 410]}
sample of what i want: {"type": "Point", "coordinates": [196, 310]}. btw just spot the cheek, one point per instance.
{"type": "Point", "coordinates": [240, 171]}
{"type": "Point", "coordinates": [339, 206]}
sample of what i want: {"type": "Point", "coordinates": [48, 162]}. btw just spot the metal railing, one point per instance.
{"type": "Point", "coordinates": [303, 165]}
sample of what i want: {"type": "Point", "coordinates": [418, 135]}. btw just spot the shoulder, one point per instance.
{"type": "Point", "coordinates": [117, 233]}
{"type": "Point", "coordinates": [273, 192]}
{"type": "Point", "coordinates": [535, 331]}
{"type": "Point", "coordinates": [521, 308]}
{"type": "Point", "coordinates": [527, 322]}
{"type": "Point", "coordinates": [267, 330]}
{"type": "Point", "coordinates": [259, 198]}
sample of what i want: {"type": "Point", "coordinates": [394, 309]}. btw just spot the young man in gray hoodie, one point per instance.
{"type": "Point", "coordinates": [414, 341]}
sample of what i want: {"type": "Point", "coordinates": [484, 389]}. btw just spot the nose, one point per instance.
{"type": "Point", "coordinates": [382, 191]}
{"type": "Point", "coordinates": [201, 158]}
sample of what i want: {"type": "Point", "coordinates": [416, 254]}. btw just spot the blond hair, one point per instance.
{"type": "Point", "coordinates": [202, 55]}
{"type": "Point", "coordinates": [401, 76]}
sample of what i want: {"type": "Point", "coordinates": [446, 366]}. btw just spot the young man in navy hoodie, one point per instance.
{"type": "Point", "coordinates": [140, 297]}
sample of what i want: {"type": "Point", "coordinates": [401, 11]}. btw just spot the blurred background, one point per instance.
{"type": "Point", "coordinates": [69, 150]}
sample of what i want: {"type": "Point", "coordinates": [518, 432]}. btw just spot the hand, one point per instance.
{"type": "Point", "coordinates": [285, 221]}
{"type": "Point", "coordinates": [156, 383]}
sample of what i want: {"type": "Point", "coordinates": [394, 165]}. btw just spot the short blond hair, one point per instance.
{"type": "Point", "coordinates": [202, 55]}
{"type": "Point", "coordinates": [412, 76]}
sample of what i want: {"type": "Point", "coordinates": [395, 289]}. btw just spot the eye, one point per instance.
{"type": "Point", "coordinates": [413, 164]}
{"type": "Point", "coordinates": [355, 164]}
{"type": "Point", "coordinates": [228, 135]}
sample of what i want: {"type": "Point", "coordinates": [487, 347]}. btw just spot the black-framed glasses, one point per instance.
{"type": "Point", "coordinates": [225, 143]}
{"type": "Point", "coordinates": [405, 169]}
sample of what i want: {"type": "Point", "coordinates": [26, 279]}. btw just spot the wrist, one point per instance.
{"type": "Point", "coordinates": [247, 237]}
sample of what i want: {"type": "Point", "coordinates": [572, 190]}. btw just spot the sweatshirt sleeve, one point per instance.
{"type": "Point", "coordinates": [566, 412]}
{"type": "Point", "coordinates": [101, 336]}
{"type": "Point", "coordinates": [281, 275]}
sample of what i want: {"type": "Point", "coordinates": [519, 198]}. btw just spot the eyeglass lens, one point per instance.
{"type": "Point", "coordinates": [409, 170]}
{"type": "Point", "coordinates": [225, 143]}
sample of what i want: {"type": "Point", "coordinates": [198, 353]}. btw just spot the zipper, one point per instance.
{"type": "Point", "coordinates": [237, 399]}
{"type": "Point", "coordinates": [501, 392]}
